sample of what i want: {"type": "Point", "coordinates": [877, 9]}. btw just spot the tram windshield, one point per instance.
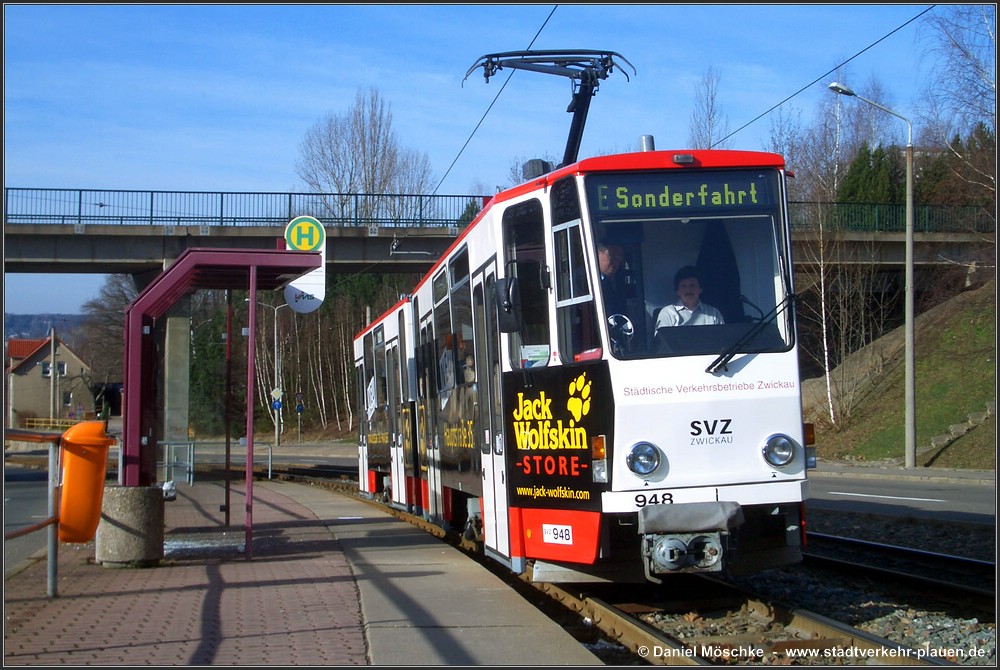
{"type": "Point", "coordinates": [690, 262]}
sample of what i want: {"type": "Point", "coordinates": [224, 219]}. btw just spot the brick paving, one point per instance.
{"type": "Point", "coordinates": [295, 602]}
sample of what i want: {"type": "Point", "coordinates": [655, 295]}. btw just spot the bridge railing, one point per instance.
{"type": "Point", "coordinates": [199, 208]}
{"type": "Point", "coordinates": [882, 218]}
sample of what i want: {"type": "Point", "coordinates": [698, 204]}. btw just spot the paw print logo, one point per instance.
{"type": "Point", "coordinates": [579, 397]}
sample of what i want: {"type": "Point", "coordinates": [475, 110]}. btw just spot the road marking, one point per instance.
{"type": "Point", "coordinates": [872, 495]}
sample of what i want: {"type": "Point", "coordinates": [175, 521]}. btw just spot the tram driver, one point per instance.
{"type": "Point", "coordinates": [688, 309]}
{"type": "Point", "coordinates": [610, 258]}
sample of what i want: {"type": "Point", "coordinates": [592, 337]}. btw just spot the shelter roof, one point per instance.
{"type": "Point", "coordinates": [223, 269]}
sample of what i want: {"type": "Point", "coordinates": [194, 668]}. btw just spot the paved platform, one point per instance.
{"type": "Point", "coordinates": [330, 581]}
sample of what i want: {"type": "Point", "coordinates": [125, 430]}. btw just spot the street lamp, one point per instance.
{"type": "Point", "coordinates": [910, 383]}
{"type": "Point", "coordinates": [277, 368]}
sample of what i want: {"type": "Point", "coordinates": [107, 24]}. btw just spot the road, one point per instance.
{"type": "Point", "coordinates": [951, 497]}
{"type": "Point", "coordinates": [25, 501]}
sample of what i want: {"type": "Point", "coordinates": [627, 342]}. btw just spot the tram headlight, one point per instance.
{"type": "Point", "coordinates": [643, 459]}
{"type": "Point", "coordinates": [779, 450]}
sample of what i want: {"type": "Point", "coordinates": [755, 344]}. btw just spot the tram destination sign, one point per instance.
{"type": "Point", "coordinates": [673, 193]}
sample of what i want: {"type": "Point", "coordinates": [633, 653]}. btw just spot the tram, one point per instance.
{"type": "Point", "coordinates": [584, 439]}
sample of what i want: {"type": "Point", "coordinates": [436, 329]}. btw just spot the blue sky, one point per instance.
{"type": "Point", "coordinates": [219, 97]}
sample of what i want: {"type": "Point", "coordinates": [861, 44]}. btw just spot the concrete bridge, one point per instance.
{"type": "Point", "coordinates": [140, 232]}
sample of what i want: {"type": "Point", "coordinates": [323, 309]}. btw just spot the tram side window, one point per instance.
{"type": "Point", "coordinates": [404, 370]}
{"type": "Point", "coordinates": [579, 339]}
{"type": "Point", "coordinates": [524, 252]}
{"type": "Point", "coordinates": [461, 305]}
{"type": "Point", "coordinates": [426, 364]}
{"type": "Point", "coordinates": [445, 334]}
{"type": "Point", "coordinates": [361, 404]}
{"type": "Point", "coordinates": [380, 371]}
{"type": "Point", "coordinates": [369, 374]}
{"type": "Point", "coordinates": [420, 336]}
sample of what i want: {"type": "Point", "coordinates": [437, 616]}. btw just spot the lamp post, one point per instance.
{"type": "Point", "coordinates": [910, 421]}
{"type": "Point", "coordinates": [277, 370]}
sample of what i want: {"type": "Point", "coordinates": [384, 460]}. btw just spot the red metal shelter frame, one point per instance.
{"type": "Point", "coordinates": [194, 269]}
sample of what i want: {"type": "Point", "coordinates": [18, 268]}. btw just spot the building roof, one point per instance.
{"type": "Point", "coordinates": [22, 348]}
{"type": "Point", "coordinates": [23, 351]}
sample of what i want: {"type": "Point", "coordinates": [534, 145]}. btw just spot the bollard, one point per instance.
{"type": "Point", "coordinates": [84, 468]}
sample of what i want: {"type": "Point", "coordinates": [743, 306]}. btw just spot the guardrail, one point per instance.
{"type": "Point", "coordinates": [38, 423]}
{"type": "Point", "coordinates": [54, 440]}
{"type": "Point", "coordinates": [181, 456]}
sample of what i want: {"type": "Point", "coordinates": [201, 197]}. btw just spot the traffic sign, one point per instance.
{"type": "Point", "coordinates": [305, 294]}
{"type": "Point", "coordinates": [276, 404]}
{"type": "Point", "coordinates": [304, 233]}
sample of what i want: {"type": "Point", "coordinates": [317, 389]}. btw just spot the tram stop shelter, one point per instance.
{"type": "Point", "coordinates": [194, 269]}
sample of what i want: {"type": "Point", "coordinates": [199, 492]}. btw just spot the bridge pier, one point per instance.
{"type": "Point", "coordinates": [176, 374]}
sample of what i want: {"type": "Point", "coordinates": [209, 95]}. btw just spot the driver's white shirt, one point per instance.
{"type": "Point", "coordinates": [679, 315]}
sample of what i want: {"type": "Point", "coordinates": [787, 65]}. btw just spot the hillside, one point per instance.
{"type": "Point", "coordinates": [34, 326]}
{"type": "Point", "coordinates": [955, 372]}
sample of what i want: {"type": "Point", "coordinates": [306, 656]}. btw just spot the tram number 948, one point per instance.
{"type": "Point", "coordinates": [553, 534]}
{"type": "Point", "coordinates": [641, 499]}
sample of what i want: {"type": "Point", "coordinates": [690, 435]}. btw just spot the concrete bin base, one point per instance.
{"type": "Point", "coordinates": [130, 533]}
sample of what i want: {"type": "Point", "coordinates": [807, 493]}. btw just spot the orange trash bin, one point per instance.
{"type": "Point", "coordinates": [84, 469]}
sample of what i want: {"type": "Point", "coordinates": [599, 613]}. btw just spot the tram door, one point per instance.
{"type": "Point", "coordinates": [396, 401]}
{"type": "Point", "coordinates": [491, 440]}
{"type": "Point", "coordinates": [366, 408]}
{"type": "Point", "coordinates": [429, 448]}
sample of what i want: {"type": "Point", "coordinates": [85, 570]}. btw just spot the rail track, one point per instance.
{"type": "Point", "coordinates": [679, 625]}
{"type": "Point", "coordinates": [709, 622]}
{"type": "Point", "coordinates": [967, 582]}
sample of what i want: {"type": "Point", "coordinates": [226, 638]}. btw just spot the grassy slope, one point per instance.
{"type": "Point", "coordinates": [955, 373]}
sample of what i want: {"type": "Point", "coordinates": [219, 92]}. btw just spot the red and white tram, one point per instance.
{"type": "Point", "coordinates": [506, 398]}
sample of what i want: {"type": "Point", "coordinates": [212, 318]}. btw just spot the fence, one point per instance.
{"type": "Point", "coordinates": [196, 208]}
{"type": "Point", "coordinates": [180, 458]}
{"type": "Point", "coordinates": [38, 423]}
{"type": "Point", "coordinates": [881, 218]}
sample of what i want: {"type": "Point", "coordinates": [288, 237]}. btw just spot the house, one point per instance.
{"type": "Point", "coordinates": [34, 392]}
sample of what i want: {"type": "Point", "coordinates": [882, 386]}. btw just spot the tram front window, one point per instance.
{"type": "Point", "coordinates": [705, 275]}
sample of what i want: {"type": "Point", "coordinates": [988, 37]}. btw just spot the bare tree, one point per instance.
{"type": "Point", "coordinates": [963, 82]}
{"type": "Point", "coordinates": [708, 125]}
{"type": "Point", "coordinates": [786, 139]}
{"type": "Point", "coordinates": [104, 327]}
{"type": "Point", "coordinates": [515, 170]}
{"type": "Point", "coordinates": [837, 307]}
{"type": "Point", "coordinates": [357, 162]}
{"type": "Point", "coordinates": [358, 152]}
{"type": "Point", "coordinates": [869, 124]}
{"type": "Point", "coordinates": [961, 94]}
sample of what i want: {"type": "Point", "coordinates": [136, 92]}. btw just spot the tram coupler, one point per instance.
{"type": "Point", "coordinates": [691, 537]}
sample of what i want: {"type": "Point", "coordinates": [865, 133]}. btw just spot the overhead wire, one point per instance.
{"type": "Point", "coordinates": [495, 98]}
{"type": "Point", "coordinates": [745, 125]}
{"type": "Point", "coordinates": [823, 76]}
